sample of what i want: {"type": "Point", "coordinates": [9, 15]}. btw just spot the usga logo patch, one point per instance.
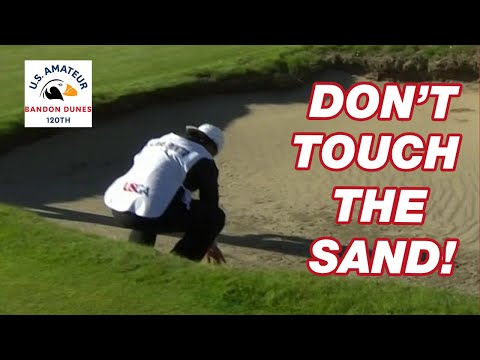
{"type": "Point", "coordinates": [58, 93]}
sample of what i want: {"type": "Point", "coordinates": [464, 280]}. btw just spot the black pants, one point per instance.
{"type": "Point", "coordinates": [200, 226]}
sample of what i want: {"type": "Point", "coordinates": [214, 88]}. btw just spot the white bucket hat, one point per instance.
{"type": "Point", "coordinates": [212, 132]}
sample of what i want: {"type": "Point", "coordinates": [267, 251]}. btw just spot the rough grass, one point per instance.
{"type": "Point", "coordinates": [45, 269]}
{"type": "Point", "coordinates": [121, 70]}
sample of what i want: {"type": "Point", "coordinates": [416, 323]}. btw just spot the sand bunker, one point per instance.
{"type": "Point", "coordinates": [274, 212]}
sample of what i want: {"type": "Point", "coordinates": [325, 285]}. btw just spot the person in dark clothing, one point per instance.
{"type": "Point", "coordinates": [178, 165]}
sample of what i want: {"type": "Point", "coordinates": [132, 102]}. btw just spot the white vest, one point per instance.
{"type": "Point", "coordinates": [158, 171]}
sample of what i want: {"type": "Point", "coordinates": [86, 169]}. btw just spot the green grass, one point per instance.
{"type": "Point", "coordinates": [121, 69]}
{"type": "Point", "coordinates": [45, 269]}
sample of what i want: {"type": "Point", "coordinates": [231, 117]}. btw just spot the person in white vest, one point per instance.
{"type": "Point", "coordinates": [155, 195]}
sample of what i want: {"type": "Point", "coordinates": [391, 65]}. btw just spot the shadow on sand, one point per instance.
{"type": "Point", "coordinates": [283, 244]}
{"type": "Point", "coordinates": [81, 163]}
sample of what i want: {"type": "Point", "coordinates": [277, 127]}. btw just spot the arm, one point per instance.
{"type": "Point", "coordinates": [203, 176]}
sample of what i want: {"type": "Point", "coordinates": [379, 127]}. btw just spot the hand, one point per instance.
{"type": "Point", "coordinates": [215, 254]}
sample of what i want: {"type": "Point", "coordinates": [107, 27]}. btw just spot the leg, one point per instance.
{"type": "Point", "coordinates": [142, 237]}
{"type": "Point", "coordinates": [144, 231]}
{"type": "Point", "coordinates": [202, 228]}
{"type": "Point", "coordinates": [141, 232]}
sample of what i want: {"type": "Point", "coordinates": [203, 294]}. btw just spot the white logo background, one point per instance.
{"type": "Point", "coordinates": [58, 93]}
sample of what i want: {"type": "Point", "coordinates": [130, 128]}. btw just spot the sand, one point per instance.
{"type": "Point", "coordinates": [273, 211]}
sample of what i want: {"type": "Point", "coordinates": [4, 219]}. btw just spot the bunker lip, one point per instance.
{"type": "Point", "coordinates": [377, 68]}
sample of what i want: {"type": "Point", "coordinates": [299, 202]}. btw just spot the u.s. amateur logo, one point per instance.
{"type": "Point", "coordinates": [58, 93]}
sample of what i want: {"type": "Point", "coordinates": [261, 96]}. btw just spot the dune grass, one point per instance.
{"type": "Point", "coordinates": [45, 269]}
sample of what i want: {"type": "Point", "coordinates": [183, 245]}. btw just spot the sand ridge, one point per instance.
{"type": "Point", "coordinates": [273, 211]}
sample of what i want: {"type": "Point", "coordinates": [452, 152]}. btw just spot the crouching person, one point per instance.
{"type": "Point", "coordinates": [154, 195]}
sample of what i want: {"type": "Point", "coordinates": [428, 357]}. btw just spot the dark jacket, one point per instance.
{"type": "Point", "coordinates": [203, 176]}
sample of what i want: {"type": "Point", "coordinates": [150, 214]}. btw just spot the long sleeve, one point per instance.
{"type": "Point", "coordinates": [203, 176]}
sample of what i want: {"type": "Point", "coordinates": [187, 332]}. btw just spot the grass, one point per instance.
{"type": "Point", "coordinates": [122, 69]}
{"type": "Point", "coordinates": [45, 269]}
